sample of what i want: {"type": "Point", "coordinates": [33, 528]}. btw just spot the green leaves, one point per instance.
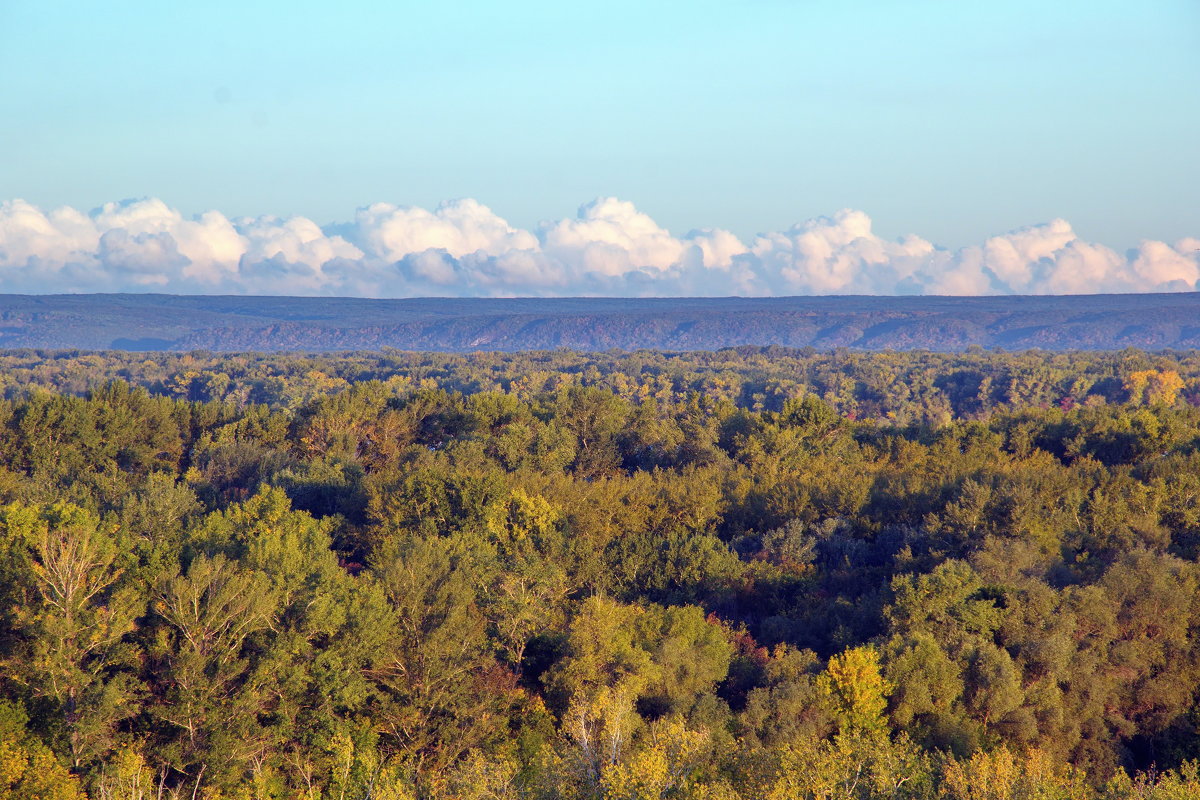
{"type": "Point", "coordinates": [77, 613]}
{"type": "Point", "coordinates": [441, 686]}
{"type": "Point", "coordinates": [529, 576]}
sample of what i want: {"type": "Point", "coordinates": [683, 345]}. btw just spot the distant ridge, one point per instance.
{"type": "Point", "coordinates": [233, 323]}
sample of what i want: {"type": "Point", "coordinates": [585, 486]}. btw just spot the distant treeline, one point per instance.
{"type": "Point", "coordinates": [911, 387]}
{"type": "Point", "coordinates": [236, 324]}
{"type": "Point", "coordinates": [754, 573]}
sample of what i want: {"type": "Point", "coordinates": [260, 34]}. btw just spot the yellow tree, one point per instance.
{"type": "Point", "coordinates": [598, 683]}
{"type": "Point", "coordinates": [1153, 387]}
{"type": "Point", "coordinates": [28, 770]}
{"type": "Point", "coordinates": [663, 765]}
{"type": "Point", "coordinates": [1004, 775]}
{"type": "Point", "coordinates": [855, 690]}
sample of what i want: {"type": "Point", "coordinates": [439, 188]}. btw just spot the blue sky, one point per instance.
{"type": "Point", "coordinates": [953, 120]}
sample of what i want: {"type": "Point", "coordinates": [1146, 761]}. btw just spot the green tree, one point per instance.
{"type": "Point", "coordinates": [72, 621]}
{"type": "Point", "coordinates": [443, 691]}
{"type": "Point", "coordinates": [204, 669]}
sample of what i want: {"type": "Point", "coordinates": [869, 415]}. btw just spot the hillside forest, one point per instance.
{"type": "Point", "coordinates": [729, 575]}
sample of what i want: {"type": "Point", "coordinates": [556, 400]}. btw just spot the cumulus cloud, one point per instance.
{"type": "Point", "coordinates": [837, 255]}
{"type": "Point", "coordinates": [611, 237]}
{"type": "Point", "coordinates": [609, 247]}
{"type": "Point", "coordinates": [458, 228]}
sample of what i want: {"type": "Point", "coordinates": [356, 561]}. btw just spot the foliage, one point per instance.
{"type": "Point", "coordinates": [751, 573]}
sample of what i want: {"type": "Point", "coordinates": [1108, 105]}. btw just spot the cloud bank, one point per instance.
{"type": "Point", "coordinates": [462, 248]}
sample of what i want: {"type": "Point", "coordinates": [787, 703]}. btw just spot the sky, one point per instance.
{"type": "Point", "coordinates": [953, 123]}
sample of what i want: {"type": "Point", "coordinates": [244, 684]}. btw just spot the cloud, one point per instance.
{"type": "Point", "coordinates": [463, 248]}
{"type": "Point", "coordinates": [458, 227]}
{"type": "Point", "coordinates": [836, 255]}
{"type": "Point", "coordinates": [610, 237]}
{"type": "Point", "coordinates": [145, 259]}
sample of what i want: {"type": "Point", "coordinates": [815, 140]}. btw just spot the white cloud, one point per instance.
{"type": "Point", "coordinates": [611, 237]}
{"type": "Point", "coordinates": [1158, 264]}
{"type": "Point", "coordinates": [297, 240]}
{"type": "Point", "coordinates": [458, 227]}
{"type": "Point", "coordinates": [837, 255]}
{"type": "Point", "coordinates": [209, 242]}
{"type": "Point", "coordinates": [145, 259]}
{"type": "Point", "coordinates": [609, 248]}
{"type": "Point", "coordinates": [28, 234]}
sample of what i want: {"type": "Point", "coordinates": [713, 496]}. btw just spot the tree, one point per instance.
{"type": "Point", "coordinates": [73, 622]}
{"type": "Point", "coordinates": [1004, 775]}
{"type": "Point", "coordinates": [1153, 387]}
{"type": "Point", "coordinates": [596, 684]}
{"type": "Point", "coordinates": [443, 692]}
{"type": "Point", "coordinates": [690, 655]}
{"type": "Point", "coordinates": [595, 417]}
{"type": "Point", "coordinates": [664, 764]}
{"type": "Point", "coordinates": [856, 690]}
{"type": "Point", "coordinates": [205, 691]}
{"type": "Point", "coordinates": [28, 770]}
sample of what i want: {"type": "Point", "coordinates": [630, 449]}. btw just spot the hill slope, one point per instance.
{"type": "Point", "coordinates": [193, 322]}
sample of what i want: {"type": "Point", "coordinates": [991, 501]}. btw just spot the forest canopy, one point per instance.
{"type": "Point", "coordinates": [749, 573]}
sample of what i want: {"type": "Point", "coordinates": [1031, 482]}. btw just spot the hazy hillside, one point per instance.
{"type": "Point", "coordinates": [177, 322]}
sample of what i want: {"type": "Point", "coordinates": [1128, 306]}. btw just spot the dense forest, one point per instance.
{"type": "Point", "coordinates": [750, 573]}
